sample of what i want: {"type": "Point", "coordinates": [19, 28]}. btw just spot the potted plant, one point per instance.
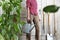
{"type": "Point", "coordinates": [50, 9]}
{"type": "Point", "coordinates": [10, 23]}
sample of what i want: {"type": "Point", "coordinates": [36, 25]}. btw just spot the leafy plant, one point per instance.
{"type": "Point", "coordinates": [51, 9]}
{"type": "Point", "coordinates": [10, 23]}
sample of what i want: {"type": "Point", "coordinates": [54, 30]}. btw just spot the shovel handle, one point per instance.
{"type": "Point", "coordinates": [54, 25]}
{"type": "Point", "coordinates": [48, 23]}
{"type": "Point", "coordinates": [43, 22]}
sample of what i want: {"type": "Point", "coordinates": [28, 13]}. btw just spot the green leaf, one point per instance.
{"type": "Point", "coordinates": [20, 28]}
{"type": "Point", "coordinates": [0, 4]}
{"type": "Point", "coordinates": [1, 37]}
{"type": "Point", "coordinates": [3, 32]}
{"type": "Point", "coordinates": [16, 28]}
{"type": "Point", "coordinates": [15, 37]}
{"type": "Point", "coordinates": [3, 0]}
{"type": "Point", "coordinates": [22, 23]}
{"type": "Point", "coordinates": [20, 0]}
{"type": "Point", "coordinates": [0, 19]}
{"type": "Point", "coordinates": [7, 37]}
{"type": "Point", "coordinates": [9, 28]}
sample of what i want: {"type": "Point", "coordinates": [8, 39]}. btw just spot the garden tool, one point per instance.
{"type": "Point", "coordinates": [49, 35]}
{"type": "Point", "coordinates": [27, 28]}
{"type": "Point", "coordinates": [54, 25]}
{"type": "Point", "coordinates": [50, 9]}
{"type": "Point", "coordinates": [54, 21]}
{"type": "Point", "coordinates": [55, 28]}
{"type": "Point", "coordinates": [43, 23]}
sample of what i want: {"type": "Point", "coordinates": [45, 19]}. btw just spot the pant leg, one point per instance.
{"type": "Point", "coordinates": [36, 22]}
{"type": "Point", "coordinates": [28, 36]}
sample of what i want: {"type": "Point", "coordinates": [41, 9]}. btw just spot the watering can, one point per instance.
{"type": "Point", "coordinates": [27, 28]}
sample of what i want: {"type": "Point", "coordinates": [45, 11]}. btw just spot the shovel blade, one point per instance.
{"type": "Point", "coordinates": [49, 37]}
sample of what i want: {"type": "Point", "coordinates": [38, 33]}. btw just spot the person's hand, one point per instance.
{"type": "Point", "coordinates": [28, 19]}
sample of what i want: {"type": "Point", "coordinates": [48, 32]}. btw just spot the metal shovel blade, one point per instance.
{"type": "Point", "coordinates": [49, 37]}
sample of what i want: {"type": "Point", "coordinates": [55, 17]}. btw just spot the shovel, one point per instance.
{"type": "Point", "coordinates": [49, 35]}
{"type": "Point", "coordinates": [43, 23]}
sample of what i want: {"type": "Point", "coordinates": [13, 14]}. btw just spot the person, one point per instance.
{"type": "Point", "coordinates": [32, 15]}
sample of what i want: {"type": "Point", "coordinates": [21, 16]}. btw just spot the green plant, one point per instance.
{"type": "Point", "coordinates": [10, 23]}
{"type": "Point", "coordinates": [51, 9]}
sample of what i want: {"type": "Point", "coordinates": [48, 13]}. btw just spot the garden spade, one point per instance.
{"type": "Point", "coordinates": [49, 35]}
{"type": "Point", "coordinates": [43, 23]}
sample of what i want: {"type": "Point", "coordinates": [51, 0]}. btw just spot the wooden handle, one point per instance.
{"type": "Point", "coordinates": [43, 22]}
{"type": "Point", "coordinates": [48, 23]}
{"type": "Point", "coordinates": [54, 25]}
